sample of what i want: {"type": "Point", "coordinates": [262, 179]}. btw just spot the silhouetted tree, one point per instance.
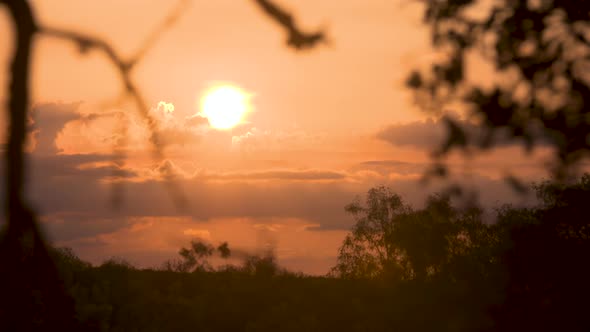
{"type": "Point", "coordinates": [541, 51]}
{"type": "Point", "coordinates": [368, 251]}
{"type": "Point", "coordinates": [196, 257]}
{"type": "Point", "coordinates": [390, 239]}
{"type": "Point", "coordinates": [262, 266]}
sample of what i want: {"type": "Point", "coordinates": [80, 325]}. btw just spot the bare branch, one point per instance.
{"type": "Point", "coordinates": [124, 67]}
{"type": "Point", "coordinates": [149, 42]}
{"type": "Point", "coordinates": [87, 43]}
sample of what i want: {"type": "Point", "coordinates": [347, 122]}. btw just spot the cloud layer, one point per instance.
{"type": "Point", "coordinates": [301, 207]}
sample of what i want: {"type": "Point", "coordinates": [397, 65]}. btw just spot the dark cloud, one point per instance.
{"type": "Point", "coordinates": [82, 166]}
{"type": "Point", "coordinates": [48, 121]}
{"type": "Point", "coordinates": [385, 167]}
{"type": "Point", "coordinates": [431, 134]}
{"type": "Point", "coordinates": [71, 200]}
{"type": "Point", "coordinates": [295, 175]}
{"type": "Point", "coordinates": [82, 201]}
{"type": "Point", "coordinates": [168, 170]}
{"type": "Point", "coordinates": [71, 226]}
{"type": "Point", "coordinates": [427, 134]}
{"type": "Point", "coordinates": [319, 202]}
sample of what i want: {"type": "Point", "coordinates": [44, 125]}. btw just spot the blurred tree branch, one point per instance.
{"type": "Point", "coordinates": [26, 264]}
{"type": "Point", "coordinates": [540, 50]}
{"type": "Point", "coordinates": [124, 67]}
{"type": "Point", "coordinates": [297, 38]}
{"type": "Point", "coordinates": [17, 106]}
{"type": "Point", "coordinates": [87, 43]}
{"type": "Point", "coordinates": [33, 297]}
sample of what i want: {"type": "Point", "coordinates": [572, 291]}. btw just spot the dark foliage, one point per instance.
{"type": "Point", "coordinates": [547, 262]}
{"type": "Point", "coordinates": [527, 271]}
{"type": "Point", "coordinates": [540, 48]}
{"type": "Point", "coordinates": [447, 271]}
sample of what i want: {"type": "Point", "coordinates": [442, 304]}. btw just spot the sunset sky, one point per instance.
{"type": "Point", "coordinates": [324, 126]}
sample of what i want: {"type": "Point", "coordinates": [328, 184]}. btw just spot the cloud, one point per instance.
{"type": "Point", "coordinates": [48, 122]}
{"type": "Point", "coordinates": [96, 133]}
{"type": "Point", "coordinates": [66, 128]}
{"type": "Point", "coordinates": [425, 134]}
{"type": "Point", "coordinates": [176, 130]}
{"type": "Point", "coordinates": [387, 167]}
{"type": "Point", "coordinates": [255, 139]}
{"type": "Point", "coordinates": [285, 174]}
{"type": "Point", "coordinates": [73, 192]}
{"type": "Point", "coordinates": [198, 233]}
{"type": "Point", "coordinates": [431, 134]}
{"type": "Point", "coordinates": [317, 196]}
{"type": "Point", "coordinates": [149, 241]}
{"type": "Point", "coordinates": [196, 120]}
{"type": "Point", "coordinates": [295, 206]}
{"type": "Point", "coordinates": [70, 226]}
{"type": "Point", "coordinates": [167, 170]}
{"type": "Point", "coordinates": [165, 108]}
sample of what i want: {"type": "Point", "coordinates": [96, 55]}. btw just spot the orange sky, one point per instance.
{"type": "Point", "coordinates": [326, 125]}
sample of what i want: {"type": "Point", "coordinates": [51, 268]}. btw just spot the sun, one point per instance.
{"type": "Point", "coordinates": [225, 106]}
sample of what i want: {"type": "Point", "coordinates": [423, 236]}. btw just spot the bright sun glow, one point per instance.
{"type": "Point", "coordinates": [224, 106]}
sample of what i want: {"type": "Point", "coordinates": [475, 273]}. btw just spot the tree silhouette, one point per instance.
{"type": "Point", "coordinates": [392, 240]}
{"type": "Point", "coordinates": [368, 252]}
{"type": "Point", "coordinates": [541, 52]}
{"type": "Point", "coordinates": [526, 271]}
{"type": "Point", "coordinates": [196, 257]}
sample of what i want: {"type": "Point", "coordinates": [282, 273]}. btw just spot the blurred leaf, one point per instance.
{"type": "Point", "coordinates": [414, 81]}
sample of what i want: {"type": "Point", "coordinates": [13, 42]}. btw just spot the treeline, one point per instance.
{"type": "Point", "coordinates": [438, 268]}
{"type": "Point", "coordinates": [254, 296]}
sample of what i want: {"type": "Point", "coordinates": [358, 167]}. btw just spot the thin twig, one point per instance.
{"type": "Point", "coordinates": [153, 37]}
{"type": "Point", "coordinates": [87, 43]}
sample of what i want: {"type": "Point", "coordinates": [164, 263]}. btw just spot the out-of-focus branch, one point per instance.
{"type": "Point", "coordinates": [297, 38]}
{"type": "Point", "coordinates": [153, 37]}
{"type": "Point", "coordinates": [87, 43]}
{"type": "Point", "coordinates": [26, 268]}
{"type": "Point", "coordinates": [18, 104]}
{"type": "Point", "coordinates": [26, 271]}
{"type": "Point", "coordinates": [124, 67]}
